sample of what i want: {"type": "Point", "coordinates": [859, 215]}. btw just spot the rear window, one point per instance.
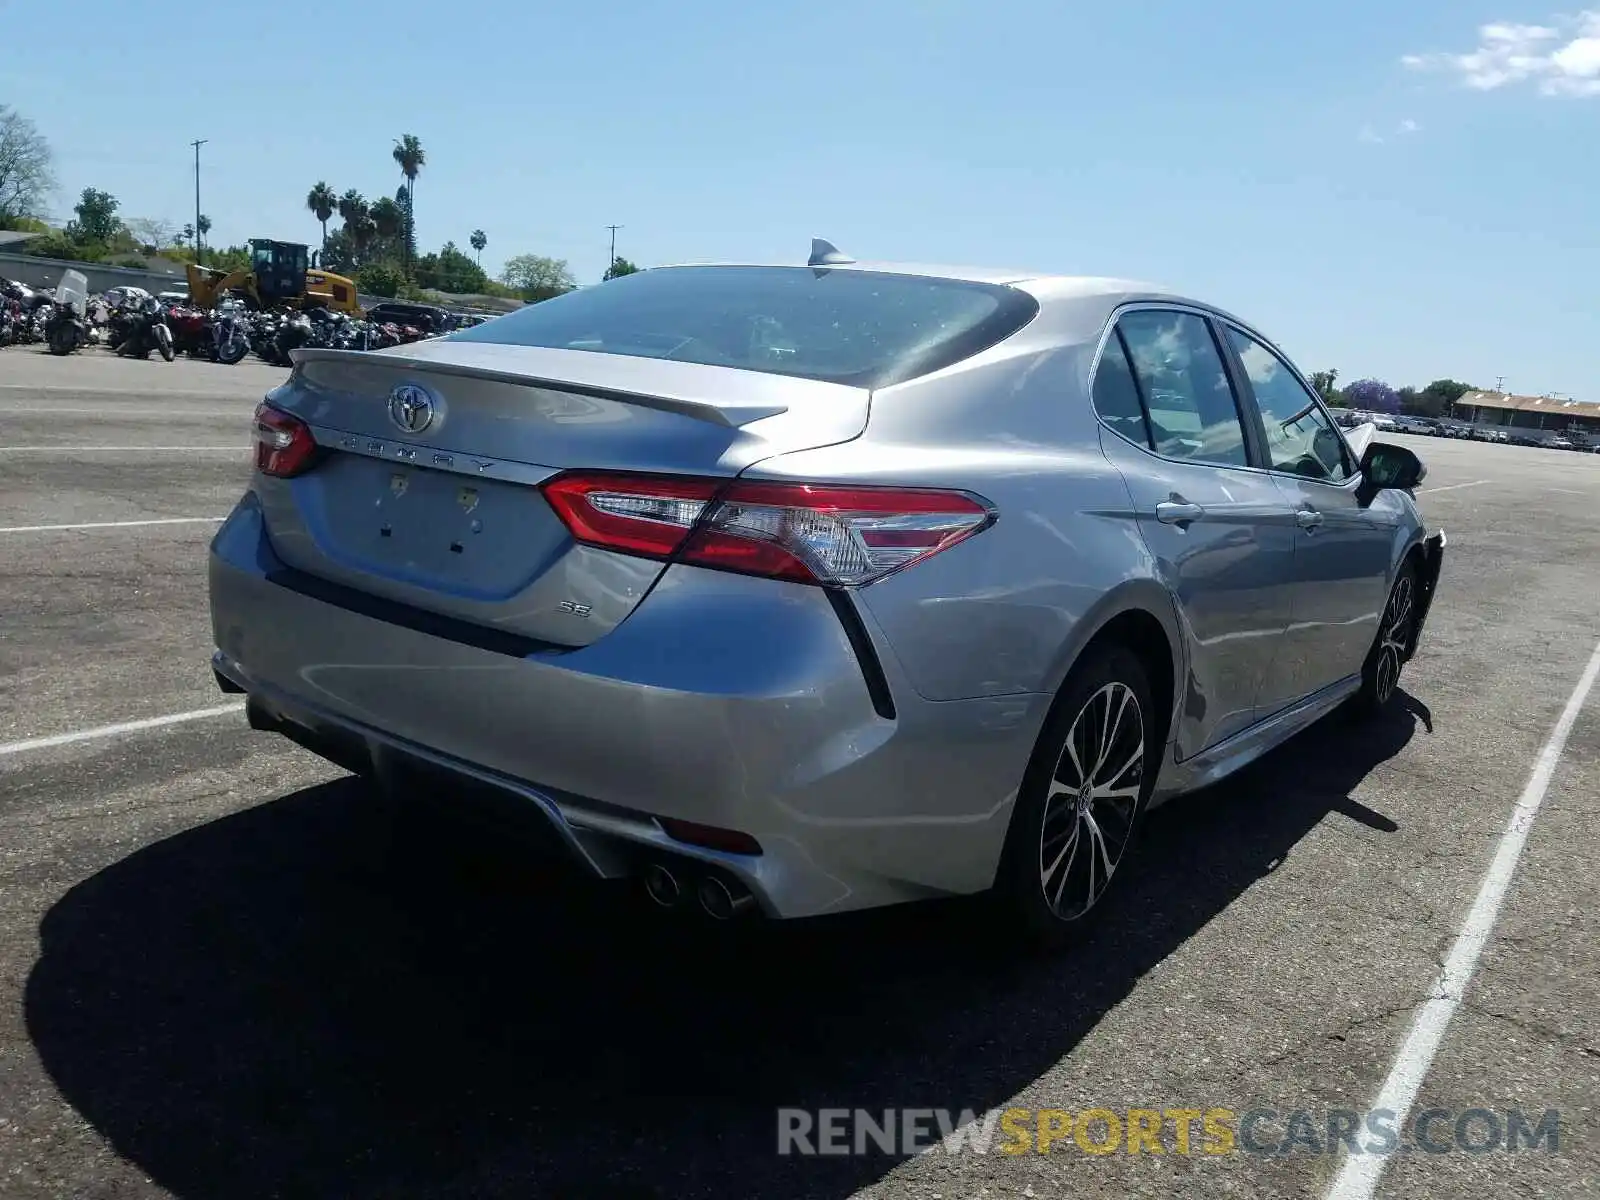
{"type": "Point", "coordinates": [863, 328]}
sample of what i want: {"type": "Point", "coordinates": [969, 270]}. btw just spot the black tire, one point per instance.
{"type": "Point", "coordinates": [63, 340]}
{"type": "Point", "coordinates": [1051, 807]}
{"type": "Point", "coordinates": [233, 352]}
{"type": "Point", "coordinates": [164, 343]}
{"type": "Point", "coordinates": [1380, 673]}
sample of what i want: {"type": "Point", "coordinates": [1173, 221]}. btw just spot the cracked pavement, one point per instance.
{"type": "Point", "coordinates": [209, 989]}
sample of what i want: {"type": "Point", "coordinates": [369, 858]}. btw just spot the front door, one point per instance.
{"type": "Point", "coordinates": [1342, 548]}
{"type": "Point", "coordinates": [1222, 534]}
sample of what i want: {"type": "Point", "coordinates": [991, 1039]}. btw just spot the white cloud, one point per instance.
{"type": "Point", "coordinates": [1372, 137]}
{"type": "Point", "coordinates": [1560, 59]}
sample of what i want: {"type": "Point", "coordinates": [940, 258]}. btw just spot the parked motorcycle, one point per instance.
{"type": "Point", "coordinates": [230, 336]}
{"type": "Point", "coordinates": [137, 332]}
{"type": "Point", "coordinates": [67, 326]}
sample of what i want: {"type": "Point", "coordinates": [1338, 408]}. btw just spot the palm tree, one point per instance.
{"type": "Point", "coordinates": [202, 228]}
{"type": "Point", "coordinates": [479, 240]}
{"type": "Point", "coordinates": [323, 203]}
{"type": "Point", "coordinates": [357, 217]}
{"type": "Point", "coordinates": [410, 156]}
{"type": "Point", "coordinates": [352, 203]}
{"type": "Point", "coordinates": [388, 220]}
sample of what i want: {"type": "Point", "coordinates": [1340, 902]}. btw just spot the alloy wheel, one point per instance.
{"type": "Point", "coordinates": [1393, 636]}
{"type": "Point", "coordinates": [1093, 799]}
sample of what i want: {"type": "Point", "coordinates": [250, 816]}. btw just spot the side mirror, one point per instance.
{"type": "Point", "coordinates": [1385, 465]}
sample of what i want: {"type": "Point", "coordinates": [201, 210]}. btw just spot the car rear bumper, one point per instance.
{"type": "Point", "coordinates": [730, 702]}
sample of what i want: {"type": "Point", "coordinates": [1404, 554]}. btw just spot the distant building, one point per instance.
{"type": "Point", "coordinates": [1554, 415]}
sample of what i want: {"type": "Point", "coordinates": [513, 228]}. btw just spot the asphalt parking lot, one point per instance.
{"type": "Point", "coordinates": [207, 989]}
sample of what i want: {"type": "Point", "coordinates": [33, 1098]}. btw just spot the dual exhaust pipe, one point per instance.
{"type": "Point", "coordinates": [719, 899]}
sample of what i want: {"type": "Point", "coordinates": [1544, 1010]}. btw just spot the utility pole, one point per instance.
{"type": "Point", "coordinates": [198, 252]}
{"type": "Point", "coordinates": [613, 257]}
{"type": "Point", "coordinates": [1500, 383]}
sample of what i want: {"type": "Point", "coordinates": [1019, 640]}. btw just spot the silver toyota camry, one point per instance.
{"type": "Point", "coordinates": [796, 589]}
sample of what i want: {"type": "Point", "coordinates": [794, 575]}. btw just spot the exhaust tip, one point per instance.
{"type": "Point", "coordinates": [721, 902]}
{"type": "Point", "coordinates": [661, 885]}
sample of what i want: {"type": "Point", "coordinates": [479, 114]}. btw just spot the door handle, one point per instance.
{"type": "Point", "coordinates": [1178, 512]}
{"type": "Point", "coordinates": [1308, 518]}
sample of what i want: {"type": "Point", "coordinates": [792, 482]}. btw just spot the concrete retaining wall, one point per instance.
{"type": "Point", "coordinates": [46, 272]}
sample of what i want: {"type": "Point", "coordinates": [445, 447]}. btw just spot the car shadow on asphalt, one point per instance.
{"type": "Point", "coordinates": [248, 1009]}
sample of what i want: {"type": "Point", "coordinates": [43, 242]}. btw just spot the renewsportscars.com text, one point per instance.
{"type": "Point", "coordinates": [1183, 1131]}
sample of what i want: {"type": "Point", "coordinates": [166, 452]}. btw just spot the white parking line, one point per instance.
{"type": "Point", "coordinates": [115, 410]}
{"type": "Point", "coordinates": [111, 524]}
{"type": "Point", "coordinates": [105, 731]}
{"type": "Point", "coordinates": [1450, 487]}
{"type": "Point", "coordinates": [239, 449]}
{"type": "Point", "coordinates": [1359, 1178]}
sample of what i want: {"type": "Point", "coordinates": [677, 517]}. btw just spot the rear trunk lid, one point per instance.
{"type": "Point", "coordinates": [427, 495]}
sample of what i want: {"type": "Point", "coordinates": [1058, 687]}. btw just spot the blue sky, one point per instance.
{"type": "Point", "coordinates": [1390, 190]}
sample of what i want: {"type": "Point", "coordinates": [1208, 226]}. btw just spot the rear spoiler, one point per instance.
{"type": "Point", "coordinates": [685, 388]}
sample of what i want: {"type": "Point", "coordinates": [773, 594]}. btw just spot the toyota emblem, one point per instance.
{"type": "Point", "coordinates": [411, 408]}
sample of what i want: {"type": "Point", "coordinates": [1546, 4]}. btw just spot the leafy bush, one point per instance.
{"type": "Point", "coordinates": [59, 245]}
{"type": "Point", "coordinates": [380, 279]}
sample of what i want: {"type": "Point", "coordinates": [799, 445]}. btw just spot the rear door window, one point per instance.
{"type": "Point", "coordinates": [1192, 409]}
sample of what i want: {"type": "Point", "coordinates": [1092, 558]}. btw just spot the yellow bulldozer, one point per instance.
{"type": "Point", "coordinates": [278, 275]}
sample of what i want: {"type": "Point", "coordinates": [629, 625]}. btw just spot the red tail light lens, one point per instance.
{"type": "Point", "coordinates": [807, 533]}
{"type": "Point", "coordinates": [284, 444]}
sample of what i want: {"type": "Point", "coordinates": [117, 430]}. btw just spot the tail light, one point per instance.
{"type": "Point", "coordinates": [284, 444]}
{"type": "Point", "coordinates": [807, 533]}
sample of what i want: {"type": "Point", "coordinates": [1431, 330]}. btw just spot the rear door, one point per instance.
{"type": "Point", "coordinates": [1222, 532]}
{"type": "Point", "coordinates": [1343, 548]}
{"type": "Point", "coordinates": [427, 490]}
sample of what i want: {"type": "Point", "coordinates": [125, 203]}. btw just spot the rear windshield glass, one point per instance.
{"type": "Point", "coordinates": [863, 328]}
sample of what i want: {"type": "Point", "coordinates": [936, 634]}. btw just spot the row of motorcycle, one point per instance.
{"type": "Point", "coordinates": [273, 335]}
{"type": "Point", "coordinates": [65, 320]}
{"type": "Point", "coordinates": [136, 324]}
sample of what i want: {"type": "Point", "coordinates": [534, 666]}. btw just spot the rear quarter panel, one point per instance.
{"type": "Point", "coordinates": [1008, 610]}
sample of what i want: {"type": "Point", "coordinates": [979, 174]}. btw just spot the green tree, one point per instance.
{"type": "Point", "coordinates": [1325, 382]}
{"type": "Point", "coordinates": [1442, 395]}
{"type": "Point", "coordinates": [388, 226]}
{"type": "Point", "coordinates": [187, 235]}
{"type": "Point", "coordinates": [96, 223]}
{"type": "Point", "coordinates": [202, 227]}
{"type": "Point", "coordinates": [409, 155]}
{"type": "Point", "coordinates": [323, 204]}
{"type": "Point", "coordinates": [619, 267]}
{"type": "Point", "coordinates": [380, 279]}
{"type": "Point", "coordinates": [27, 175]}
{"type": "Point", "coordinates": [407, 239]}
{"type": "Point", "coordinates": [348, 247]}
{"type": "Point", "coordinates": [478, 241]}
{"type": "Point", "coordinates": [450, 271]}
{"type": "Point", "coordinates": [536, 277]}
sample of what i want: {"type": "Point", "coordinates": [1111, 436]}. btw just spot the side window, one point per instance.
{"type": "Point", "coordinates": [1116, 395]}
{"type": "Point", "coordinates": [1186, 390]}
{"type": "Point", "coordinates": [1300, 437]}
